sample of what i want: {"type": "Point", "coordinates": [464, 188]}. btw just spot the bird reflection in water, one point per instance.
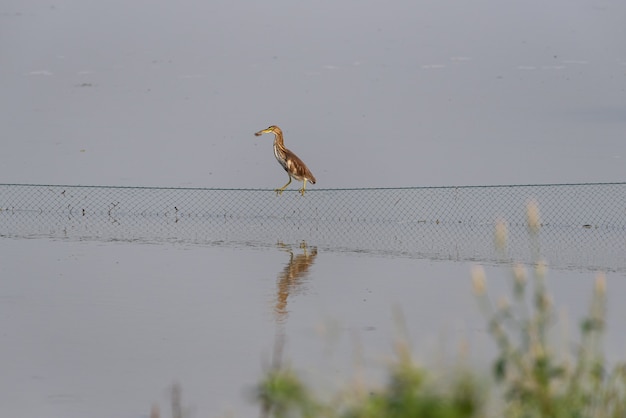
{"type": "Point", "coordinates": [292, 278]}
{"type": "Point", "coordinates": [290, 281]}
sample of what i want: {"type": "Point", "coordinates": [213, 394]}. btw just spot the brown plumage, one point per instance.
{"type": "Point", "coordinates": [293, 165]}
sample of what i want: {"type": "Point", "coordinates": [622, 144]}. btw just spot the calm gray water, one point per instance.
{"type": "Point", "coordinates": [100, 314]}
{"type": "Point", "coordinates": [368, 94]}
{"type": "Point", "coordinates": [103, 328]}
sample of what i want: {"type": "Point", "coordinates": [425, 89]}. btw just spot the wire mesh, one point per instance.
{"type": "Point", "coordinates": [582, 225]}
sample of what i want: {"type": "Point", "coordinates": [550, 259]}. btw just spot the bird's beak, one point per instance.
{"type": "Point", "coordinates": [264, 131]}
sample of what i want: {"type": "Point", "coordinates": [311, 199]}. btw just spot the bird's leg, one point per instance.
{"type": "Point", "coordinates": [302, 190]}
{"type": "Point", "coordinates": [280, 191]}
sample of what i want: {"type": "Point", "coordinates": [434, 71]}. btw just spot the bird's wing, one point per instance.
{"type": "Point", "coordinates": [297, 168]}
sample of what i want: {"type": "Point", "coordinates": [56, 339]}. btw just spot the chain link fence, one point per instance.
{"type": "Point", "coordinates": [582, 225]}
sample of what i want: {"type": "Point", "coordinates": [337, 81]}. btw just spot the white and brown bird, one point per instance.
{"type": "Point", "coordinates": [293, 165]}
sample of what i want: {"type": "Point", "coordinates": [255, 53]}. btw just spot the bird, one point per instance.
{"type": "Point", "coordinates": [293, 165]}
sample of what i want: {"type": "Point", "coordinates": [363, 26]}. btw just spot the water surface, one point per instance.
{"type": "Point", "coordinates": [103, 328]}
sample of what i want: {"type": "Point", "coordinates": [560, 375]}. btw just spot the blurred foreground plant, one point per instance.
{"type": "Point", "coordinates": [537, 381]}
{"type": "Point", "coordinates": [410, 392]}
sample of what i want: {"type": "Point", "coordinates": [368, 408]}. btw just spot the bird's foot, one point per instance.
{"type": "Point", "coordinates": [301, 191]}
{"type": "Point", "coordinates": [279, 191]}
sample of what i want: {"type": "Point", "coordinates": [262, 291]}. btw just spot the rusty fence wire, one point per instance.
{"type": "Point", "coordinates": [582, 225]}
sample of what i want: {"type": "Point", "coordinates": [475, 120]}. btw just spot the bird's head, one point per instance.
{"type": "Point", "coordinates": [272, 129]}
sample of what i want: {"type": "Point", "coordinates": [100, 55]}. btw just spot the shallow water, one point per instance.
{"type": "Point", "coordinates": [100, 328]}
{"type": "Point", "coordinates": [368, 94]}
{"type": "Point", "coordinates": [111, 294]}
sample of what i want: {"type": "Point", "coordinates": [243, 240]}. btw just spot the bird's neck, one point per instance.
{"type": "Point", "coordinates": [278, 142]}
